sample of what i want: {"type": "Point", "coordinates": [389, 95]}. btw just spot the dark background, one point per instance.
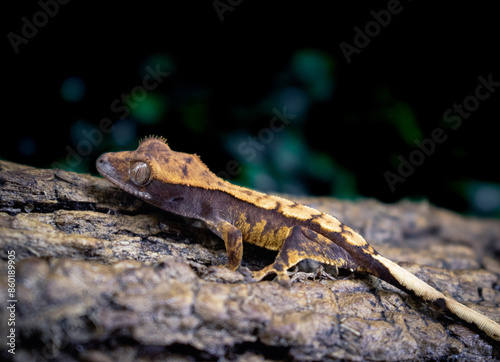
{"type": "Point", "coordinates": [228, 71]}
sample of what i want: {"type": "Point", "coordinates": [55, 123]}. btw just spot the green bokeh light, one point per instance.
{"type": "Point", "coordinates": [73, 89]}
{"type": "Point", "coordinates": [195, 115]}
{"type": "Point", "coordinates": [315, 70]}
{"type": "Point", "coordinates": [149, 110]}
{"type": "Point", "coordinates": [404, 119]}
{"type": "Point", "coordinates": [160, 61]}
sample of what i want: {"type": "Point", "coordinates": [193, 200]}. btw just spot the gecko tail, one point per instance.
{"type": "Point", "coordinates": [423, 290]}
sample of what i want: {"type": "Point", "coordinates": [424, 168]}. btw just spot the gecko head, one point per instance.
{"type": "Point", "coordinates": [154, 169]}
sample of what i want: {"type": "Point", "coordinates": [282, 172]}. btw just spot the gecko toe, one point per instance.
{"type": "Point", "coordinates": [245, 271]}
{"type": "Point", "coordinates": [281, 276]}
{"type": "Point", "coordinates": [257, 276]}
{"type": "Point", "coordinates": [283, 279]}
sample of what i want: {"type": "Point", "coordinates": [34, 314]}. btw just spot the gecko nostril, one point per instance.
{"type": "Point", "coordinates": [101, 162]}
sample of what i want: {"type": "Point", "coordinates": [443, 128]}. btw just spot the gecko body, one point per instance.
{"type": "Point", "coordinates": [180, 183]}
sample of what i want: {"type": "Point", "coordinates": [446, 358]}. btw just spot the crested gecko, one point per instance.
{"type": "Point", "coordinates": [181, 183]}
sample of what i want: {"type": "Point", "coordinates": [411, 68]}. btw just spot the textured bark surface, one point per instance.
{"type": "Point", "coordinates": [101, 276]}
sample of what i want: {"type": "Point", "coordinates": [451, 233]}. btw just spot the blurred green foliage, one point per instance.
{"type": "Point", "coordinates": [150, 110]}
{"type": "Point", "coordinates": [271, 156]}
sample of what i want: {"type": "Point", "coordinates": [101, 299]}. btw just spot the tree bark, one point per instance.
{"type": "Point", "coordinates": [100, 275]}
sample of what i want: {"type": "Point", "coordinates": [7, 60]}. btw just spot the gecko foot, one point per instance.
{"type": "Point", "coordinates": [281, 276]}
{"type": "Point", "coordinates": [247, 273]}
{"type": "Point", "coordinates": [283, 279]}
{"type": "Point", "coordinates": [230, 266]}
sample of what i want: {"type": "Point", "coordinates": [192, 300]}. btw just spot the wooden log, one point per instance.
{"type": "Point", "coordinates": [100, 275]}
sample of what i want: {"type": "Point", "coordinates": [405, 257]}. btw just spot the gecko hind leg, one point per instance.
{"type": "Point", "coordinates": [303, 243]}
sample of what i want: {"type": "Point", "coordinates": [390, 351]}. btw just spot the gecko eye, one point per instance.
{"type": "Point", "coordinates": [140, 173]}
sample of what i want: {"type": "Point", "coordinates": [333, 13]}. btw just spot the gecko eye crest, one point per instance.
{"type": "Point", "coordinates": [140, 173]}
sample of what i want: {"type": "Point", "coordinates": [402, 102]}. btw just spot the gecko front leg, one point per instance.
{"type": "Point", "coordinates": [233, 241]}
